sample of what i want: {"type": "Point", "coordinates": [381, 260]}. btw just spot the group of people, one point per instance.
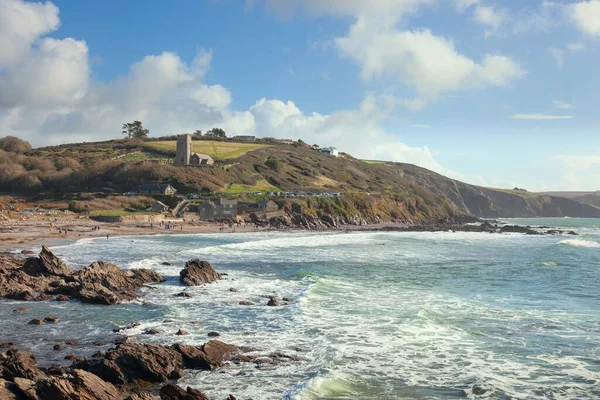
{"type": "Point", "coordinates": [166, 225]}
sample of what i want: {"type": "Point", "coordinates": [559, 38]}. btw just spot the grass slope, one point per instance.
{"type": "Point", "coordinates": [216, 149]}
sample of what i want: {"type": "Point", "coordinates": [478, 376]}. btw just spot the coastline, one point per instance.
{"type": "Point", "coordinates": [31, 233]}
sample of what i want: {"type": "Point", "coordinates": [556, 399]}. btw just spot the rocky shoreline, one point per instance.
{"type": "Point", "coordinates": [129, 370]}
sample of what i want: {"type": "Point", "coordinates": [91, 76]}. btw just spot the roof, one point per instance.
{"type": "Point", "coordinates": [160, 203]}
{"type": "Point", "coordinates": [220, 202]}
{"type": "Point", "coordinates": [154, 186]}
{"type": "Point", "coordinates": [203, 156]}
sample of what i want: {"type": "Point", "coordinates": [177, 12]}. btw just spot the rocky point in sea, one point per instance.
{"type": "Point", "coordinates": [47, 277]}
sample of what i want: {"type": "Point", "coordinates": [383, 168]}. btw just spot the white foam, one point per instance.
{"type": "Point", "coordinates": [579, 243]}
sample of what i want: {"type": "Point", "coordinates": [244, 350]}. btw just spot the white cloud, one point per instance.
{"type": "Point", "coordinates": [563, 105]}
{"type": "Point", "coordinates": [428, 63]}
{"type": "Point", "coordinates": [575, 46]}
{"type": "Point", "coordinates": [540, 117]}
{"type": "Point", "coordinates": [579, 172]}
{"type": "Point", "coordinates": [20, 25]}
{"type": "Point", "coordinates": [491, 16]}
{"type": "Point", "coordinates": [558, 55]}
{"type": "Point", "coordinates": [388, 10]}
{"type": "Point", "coordinates": [462, 5]}
{"type": "Point", "coordinates": [586, 16]}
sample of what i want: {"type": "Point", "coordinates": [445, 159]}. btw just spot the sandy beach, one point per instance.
{"type": "Point", "coordinates": [24, 232]}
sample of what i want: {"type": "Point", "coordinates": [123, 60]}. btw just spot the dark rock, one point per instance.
{"type": "Point", "coordinates": [21, 310]}
{"type": "Point", "coordinates": [198, 272]}
{"type": "Point", "coordinates": [518, 229]}
{"type": "Point", "coordinates": [245, 303]}
{"type": "Point", "coordinates": [214, 334]}
{"type": "Point", "coordinates": [183, 294]}
{"type": "Point", "coordinates": [234, 290]}
{"type": "Point", "coordinates": [288, 299]}
{"type": "Point", "coordinates": [151, 331]}
{"type": "Point", "coordinates": [27, 252]}
{"type": "Point", "coordinates": [98, 343]}
{"type": "Point", "coordinates": [572, 233]}
{"type": "Point", "coordinates": [97, 354]}
{"type": "Point", "coordinates": [36, 322]}
{"type": "Point", "coordinates": [231, 397]}
{"type": "Point", "coordinates": [55, 370]}
{"type": "Point", "coordinates": [177, 374]}
{"type": "Point", "coordinates": [59, 347]}
{"type": "Point", "coordinates": [72, 342]}
{"type": "Point", "coordinates": [4, 345]}
{"type": "Point", "coordinates": [274, 301]}
{"type": "Point", "coordinates": [181, 332]}
{"type": "Point", "coordinates": [129, 362]}
{"type": "Point", "coordinates": [130, 326]}
{"type": "Point", "coordinates": [53, 319]}
{"type": "Point", "coordinates": [165, 263]}
{"type": "Point", "coordinates": [173, 392]}
{"type": "Point", "coordinates": [122, 339]}
{"type": "Point", "coordinates": [62, 297]}
{"type": "Point", "coordinates": [46, 264]}
{"type": "Point", "coordinates": [9, 391]}
{"type": "Point", "coordinates": [207, 356]}
{"type": "Point", "coordinates": [72, 357]}
{"type": "Point", "coordinates": [20, 364]}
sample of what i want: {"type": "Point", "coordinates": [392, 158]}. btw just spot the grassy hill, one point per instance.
{"type": "Point", "coordinates": [216, 149]}
{"type": "Point", "coordinates": [378, 189]}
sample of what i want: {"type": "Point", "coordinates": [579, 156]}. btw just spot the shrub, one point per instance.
{"type": "Point", "coordinates": [14, 145]}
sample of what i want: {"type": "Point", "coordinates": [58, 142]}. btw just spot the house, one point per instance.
{"type": "Point", "coordinates": [285, 141]}
{"type": "Point", "coordinates": [159, 207]}
{"type": "Point", "coordinates": [201, 159]}
{"type": "Point", "coordinates": [268, 206]}
{"type": "Point", "coordinates": [332, 151]}
{"type": "Point", "coordinates": [217, 209]}
{"type": "Point", "coordinates": [245, 138]}
{"type": "Point", "coordinates": [156, 188]}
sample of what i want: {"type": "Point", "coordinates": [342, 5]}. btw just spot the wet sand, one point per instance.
{"type": "Point", "coordinates": [31, 232]}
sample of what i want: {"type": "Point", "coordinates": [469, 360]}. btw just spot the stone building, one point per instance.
{"type": "Point", "coordinates": [156, 188]}
{"type": "Point", "coordinates": [185, 156]}
{"type": "Point", "coordinates": [217, 209]}
{"type": "Point", "coordinates": [267, 206]}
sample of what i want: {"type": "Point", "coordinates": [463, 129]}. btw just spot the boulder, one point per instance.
{"type": "Point", "coordinates": [81, 385]}
{"type": "Point", "coordinates": [27, 387]}
{"type": "Point", "coordinates": [9, 391]}
{"type": "Point", "coordinates": [52, 319]}
{"type": "Point", "coordinates": [46, 264]}
{"type": "Point", "coordinates": [72, 342]}
{"type": "Point", "coordinates": [173, 392]}
{"type": "Point", "coordinates": [130, 361]}
{"type": "Point", "coordinates": [274, 301]}
{"type": "Point", "coordinates": [213, 334]}
{"type": "Point", "coordinates": [151, 331]}
{"type": "Point", "coordinates": [183, 294]}
{"type": "Point", "coordinates": [208, 356]}
{"type": "Point", "coordinates": [59, 347]}
{"type": "Point", "coordinates": [62, 297]}
{"type": "Point", "coordinates": [27, 252]}
{"type": "Point", "coordinates": [181, 332]}
{"type": "Point", "coordinates": [36, 321]}
{"type": "Point", "coordinates": [245, 303]}
{"type": "Point", "coordinates": [198, 272]}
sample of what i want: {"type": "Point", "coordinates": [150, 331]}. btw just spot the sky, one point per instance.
{"type": "Point", "coordinates": [490, 92]}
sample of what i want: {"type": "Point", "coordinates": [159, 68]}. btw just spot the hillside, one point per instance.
{"type": "Point", "coordinates": [377, 189]}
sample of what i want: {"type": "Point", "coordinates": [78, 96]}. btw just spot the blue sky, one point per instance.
{"type": "Point", "coordinates": [498, 93]}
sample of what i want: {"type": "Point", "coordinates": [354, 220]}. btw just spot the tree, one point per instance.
{"type": "Point", "coordinates": [135, 129]}
{"type": "Point", "coordinates": [14, 145]}
{"type": "Point", "coordinates": [198, 132]}
{"type": "Point", "coordinates": [217, 132]}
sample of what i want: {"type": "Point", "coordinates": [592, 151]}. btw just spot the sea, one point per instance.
{"type": "Point", "coordinates": [373, 315]}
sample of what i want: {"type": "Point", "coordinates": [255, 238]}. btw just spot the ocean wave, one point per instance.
{"type": "Point", "coordinates": [578, 243]}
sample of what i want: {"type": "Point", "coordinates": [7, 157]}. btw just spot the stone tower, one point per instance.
{"type": "Point", "coordinates": [184, 150]}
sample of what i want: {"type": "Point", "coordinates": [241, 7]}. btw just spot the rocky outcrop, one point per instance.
{"type": "Point", "coordinates": [46, 277]}
{"type": "Point", "coordinates": [46, 264]}
{"type": "Point", "coordinates": [173, 392]}
{"type": "Point", "coordinates": [197, 273]}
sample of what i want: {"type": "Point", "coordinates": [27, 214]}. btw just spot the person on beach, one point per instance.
{"type": "Point", "coordinates": [107, 236]}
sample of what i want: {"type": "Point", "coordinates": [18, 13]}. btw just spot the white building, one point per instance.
{"type": "Point", "coordinates": [332, 151]}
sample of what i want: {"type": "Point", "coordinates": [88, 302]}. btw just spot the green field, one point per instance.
{"type": "Point", "coordinates": [215, 149]}
{"type": "Point", "coordinates": [261, 186]}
